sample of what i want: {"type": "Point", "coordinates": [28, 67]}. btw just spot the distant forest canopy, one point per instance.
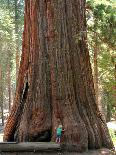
{"type": "Point", "coordinates": [11, 29]}
{"type": "Point", "coordinates": [101, 33]}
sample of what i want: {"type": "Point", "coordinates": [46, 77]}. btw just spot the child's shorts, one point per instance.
{"type": "Point", "coordinates": [58, 136]}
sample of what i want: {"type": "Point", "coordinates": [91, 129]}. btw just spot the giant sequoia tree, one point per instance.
{"type": "Point", "coordinates": [55, 80]}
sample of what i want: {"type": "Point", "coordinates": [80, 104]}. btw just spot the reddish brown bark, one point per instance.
{"type": "Point", "coordinates": [16, 33]}
{"type": "Point", "coordinates": [55, 81]}
{"type": "Point", "coordinates": [9, 84]}
{"type": "Point", "coordinates": [95, 75]}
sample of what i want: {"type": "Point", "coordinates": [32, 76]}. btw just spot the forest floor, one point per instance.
{"type": "Point", "coordinates": [96, 152]}
{"type": "Point", "coordinates": [1, 133]}
{"type": "Point", "coordinates": [111, 125]}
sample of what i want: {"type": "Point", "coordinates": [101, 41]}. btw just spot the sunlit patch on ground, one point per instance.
{"type": "Point", "coordinates": [1, 134]}
{"type": "Point", "coordinates": [104, 152]}
{"type": "Point", "coordinates": [112, 125]}
{"type": "Point", "coordinates": [112, 129]}
{"type": "Point", "coordinates": [1, 137]}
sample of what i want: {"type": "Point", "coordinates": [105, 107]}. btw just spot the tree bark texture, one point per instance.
{"type": "Point", "coordinates": [9, 84]}
{"type": "Point", "coordinates": [55, 83]}
{"type": "Point", "coordinates": [96, 67]}
{"type": "Point", "coordinates": [1, 95]}
{"type": "Point", "coordinates": [16, 33]}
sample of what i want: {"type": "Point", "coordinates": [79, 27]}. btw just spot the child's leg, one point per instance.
{"type": "Point", "coordinates": [59, 139]}
{"type": "Point", "coordinates": [56, 139]}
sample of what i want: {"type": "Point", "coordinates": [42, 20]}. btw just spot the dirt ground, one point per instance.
{"type": "Point", "coordinates": [96, 152]}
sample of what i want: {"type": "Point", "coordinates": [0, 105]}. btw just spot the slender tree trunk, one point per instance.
{"type": "Point", "coordinates": [55, 83]}
{"type": "Point", "coordinates": [9, 85]}
{"type": "Point", "coordinates": [8, 3]}
{"type": "Point", "coordinates": [115, 86]}
{"type": "Point", "coordinates": [1, 96]}
{"type": "Point", "coordinates": [113, 59]}
{"type": "Point", "coordinates": [16, 33]}
{"type": "Point", "coordinates": [115, 90]}
{"type": "Point", "coordinates": [95, 75]}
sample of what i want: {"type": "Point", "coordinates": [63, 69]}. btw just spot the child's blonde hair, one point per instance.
{"type": "Point", "coordinates": [60, 126]}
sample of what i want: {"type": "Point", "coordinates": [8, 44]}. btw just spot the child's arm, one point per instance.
{"type": "Point", "coordinates": [55, 128]}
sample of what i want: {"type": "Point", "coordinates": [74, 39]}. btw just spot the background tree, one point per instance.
{"type": "Point", "coordinates": [8, 46]}
{"type": "Point", "coordinates": [55, 80]}
{"type": "Point", "coordinates": [1, 95]}
{"type": "Point", "coordinates": [6, 41]}
{"type": "Point", "coordinates": [101, 35]}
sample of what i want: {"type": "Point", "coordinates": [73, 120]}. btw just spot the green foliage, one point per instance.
{"type": "Point", "coordinates": [101, 19]}
{"type": "Point", "coordinates": [113, 136]}
{"type": "Point", "coordinates": [104, 20]}
{"type": "Point", "coordinates": [8, 38]}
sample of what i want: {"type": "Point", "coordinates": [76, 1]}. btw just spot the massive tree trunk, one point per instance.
{"type": "Point", "coordinates": [55, 83]}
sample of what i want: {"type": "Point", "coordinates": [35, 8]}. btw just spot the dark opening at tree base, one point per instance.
{"type": "Point", "coordinates": [44, 136]}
